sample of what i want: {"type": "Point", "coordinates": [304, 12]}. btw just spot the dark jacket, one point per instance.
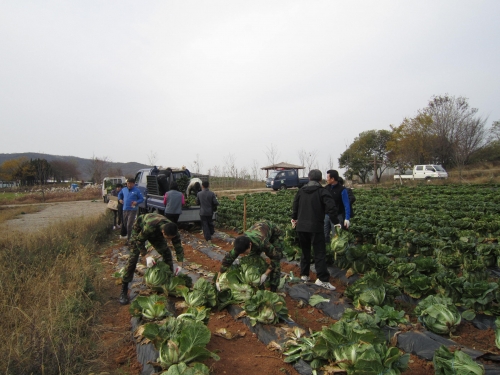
{"type": "Point", "coordinates": [309, 207]}
{"type": "Point", "coordinates": [207, 201]}
{"type": "Point", "coordinates": [341, 198]}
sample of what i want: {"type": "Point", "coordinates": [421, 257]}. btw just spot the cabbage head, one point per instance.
{"type": "Point", "coordinates": [446, 362]}
{"type": "Point", "coordinates": [266, 307]}
{"type": "Point", "coordinates": [158, 275]}
{"type": "Point", "coordinates": [153, 307]}
{"type": "Point", "coordinates": [371, 290]}
{"type": "Point", "coordinates": [438, 314]}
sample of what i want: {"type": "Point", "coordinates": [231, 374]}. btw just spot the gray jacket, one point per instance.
{"type": "Point", "coordinates": [207, 201]}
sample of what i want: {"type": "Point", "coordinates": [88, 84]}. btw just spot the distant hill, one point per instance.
{"type": "Point", "coordinates": [127, 169]}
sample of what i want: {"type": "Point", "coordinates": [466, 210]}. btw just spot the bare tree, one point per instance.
{"type": "Point", "coordinates": [495, 131]}
{"type": "Point", "coordinates": [230, 165]}
{"type": "Point", "coordinates": [310, 160]}
{"type": "Point", "coordinates": [302, 160]}
{"type": "Point", "coordinates": [215, 171]}
{"type": "Point", "coordinates": [97, 168]}
{"type": "Point", "coordinates": [272, 154]}
{"type": "Point", "coordinates": [64, 170]}
{"type": "Point", "coordinates": [115, 171]}
{"type": "Point", "coordinates": [255, 170]}
{"type": "Point", "coordinates": [451, 119]}
{"type": "Point", "coordinates": [330, 162]}
{"type": "Point", "coordinates": [244, 173]}
{"type": "Point", "coordinates": [152, 158]}
{"type": "Point", "coordinates": [42, 171]}
{"type": "Point", "coordinates": [469, 137]}
{"type": "Point", "coordinates": [198, 164]}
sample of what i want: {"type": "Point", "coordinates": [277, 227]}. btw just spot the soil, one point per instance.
{"type": "Point", "coordinates": [242, 355]}
{"type": "Point", "coordinates": [53, 212]}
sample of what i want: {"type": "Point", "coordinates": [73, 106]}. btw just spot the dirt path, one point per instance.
{"type": "Point", "coordinates": [52, 213]}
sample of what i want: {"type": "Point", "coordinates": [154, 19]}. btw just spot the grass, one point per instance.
{"type": "Point", "coordinates": [49, 288]}
{"type": "Point", "coordinates": [49, 195]}
{"type": "Point", "coordinates": [14, 212]}
{"type": "Point", "coordinates": [8, 196]}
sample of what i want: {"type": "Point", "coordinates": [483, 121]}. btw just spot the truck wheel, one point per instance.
{"type": "Point", "coordinates": [283, 187]}
{"type": "Point", "coordinates": [427, 179]}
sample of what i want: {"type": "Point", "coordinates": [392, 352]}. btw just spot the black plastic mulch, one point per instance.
{"type": "Point", "coordinates": [423, 344]}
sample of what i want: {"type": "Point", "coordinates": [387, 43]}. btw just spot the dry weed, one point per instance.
{"type": "Point", "coordinates": [14, 212]}
{"type": "Point", "coordinates": [49, 284]}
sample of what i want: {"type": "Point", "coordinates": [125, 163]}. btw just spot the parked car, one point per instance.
{"type": "Point", "coordinates": [423, 172]}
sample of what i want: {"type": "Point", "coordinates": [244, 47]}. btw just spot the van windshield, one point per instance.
{"type": "Point", "coordinates": [439, 168]}
{"type": "Point", "coordinates": [273, 174]}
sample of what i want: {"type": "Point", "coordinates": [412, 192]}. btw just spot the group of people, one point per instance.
{"type": "Point", "coordinates": [156, 228]}
{"type": "Point", "coordinates": [316, 209]}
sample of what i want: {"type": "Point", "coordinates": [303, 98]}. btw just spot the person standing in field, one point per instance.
{"type": "Point", "coordinates": [156, 229]}
{"type": "Point", "coordinates": [130, 197]}
{"type": "Point", "coordinates": [263, 236]}
{"type": "Point", "coordinates": [310, 204]}
{"type": "Point", "coordinates": [173, 201]}
{"type": "Point", "coordinates": [208, 204]}
{"type": "Point", "coordinates": [341, 198]}
{"type": "Point", "coordinates": [118, 213]}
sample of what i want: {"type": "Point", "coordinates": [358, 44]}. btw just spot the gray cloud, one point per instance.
{"type": "Point", "coordinates": [122, 78]}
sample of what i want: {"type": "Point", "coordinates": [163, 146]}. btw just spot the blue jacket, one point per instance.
{"type": "Point", "coordinates": [130, 195]}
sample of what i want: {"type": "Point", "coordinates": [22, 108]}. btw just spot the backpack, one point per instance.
{"type": "Point", "coordinates": [352, 199]}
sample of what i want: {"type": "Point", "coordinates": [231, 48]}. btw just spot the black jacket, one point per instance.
{"type": "Point", "coordinates": [336, 192]}
{"type": "Point", "coordinates": [310, 205]}
{"type": "Point", "coordinates": [207, 201]}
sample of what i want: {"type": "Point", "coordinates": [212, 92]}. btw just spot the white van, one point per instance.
{"type": "Point", "coordinates": [109, 183]}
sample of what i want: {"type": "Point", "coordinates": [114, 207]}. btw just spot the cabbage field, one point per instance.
{"type": "Point", "coordinates": [432, 249]}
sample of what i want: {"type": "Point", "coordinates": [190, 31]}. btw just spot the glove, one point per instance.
{"type": "Point", "coordinates": [263, 279]}
{"type": "Point", "coordinates": [217, 285]}
{"type": "Point", "coordinates": [294, 223]}
{"type": "Point", "coordinates": [150, 262]}
{"type": "Point", "coordinates": [346, 224]}
{"type": "Point", "coordinates": [338, 225]}
{"type": "Point", "coordinates": [178, 269]}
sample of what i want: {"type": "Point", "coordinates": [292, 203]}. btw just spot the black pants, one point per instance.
{"type": "Point", "coordinates": [207, 225]}
{"type": "Point", "coordinates": [317, 240]}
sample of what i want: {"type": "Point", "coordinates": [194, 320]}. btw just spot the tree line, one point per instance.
{"type": "Point", "coordinates": [28, 172]}
{"type": "Point", "coordinates": [448, 131]}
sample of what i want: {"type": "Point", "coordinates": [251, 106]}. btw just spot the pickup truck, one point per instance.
{"type": "Point", "coordinates": [154, 183]}
{"type": "Point", "coordinates": [284, 179]}
{"type": "Point", "coordinates": [423, 172]}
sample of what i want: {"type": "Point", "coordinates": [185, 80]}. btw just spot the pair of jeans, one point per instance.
{"type": "Point", "coordinates": [328, 226]}
{"type": "Point", "coordinates": [207, 225]}
{"type": "Point", "coordinates": [128, 221]}
{"type": "Point", "coordinates": [317, 241]}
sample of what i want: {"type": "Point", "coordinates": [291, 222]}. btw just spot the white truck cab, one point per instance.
{"type": "Point", "coordinates": [429, 171]}
{"type": "Point", "coordinates": [109, 183]}
{"type": "Point", "coordinates": [423, 172]}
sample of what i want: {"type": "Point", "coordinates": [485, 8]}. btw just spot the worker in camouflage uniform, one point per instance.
{"type": "Point", "coordinates": [263, 236]}
{"type": "Point", "coordinates": [156, 229]}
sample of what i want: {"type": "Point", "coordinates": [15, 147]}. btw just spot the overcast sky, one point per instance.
{"type": "Point", "coordinates": [229, 79]}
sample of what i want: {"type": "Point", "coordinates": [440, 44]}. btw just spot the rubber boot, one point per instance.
{"type": "Point", "coordinates": [124, 294]}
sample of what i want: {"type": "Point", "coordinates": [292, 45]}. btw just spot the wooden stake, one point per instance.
{"type": "Point", "coordinates": [244, 214]}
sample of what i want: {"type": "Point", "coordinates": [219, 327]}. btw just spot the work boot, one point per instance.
{"type": "Point", "coordinates": [124, 294]}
